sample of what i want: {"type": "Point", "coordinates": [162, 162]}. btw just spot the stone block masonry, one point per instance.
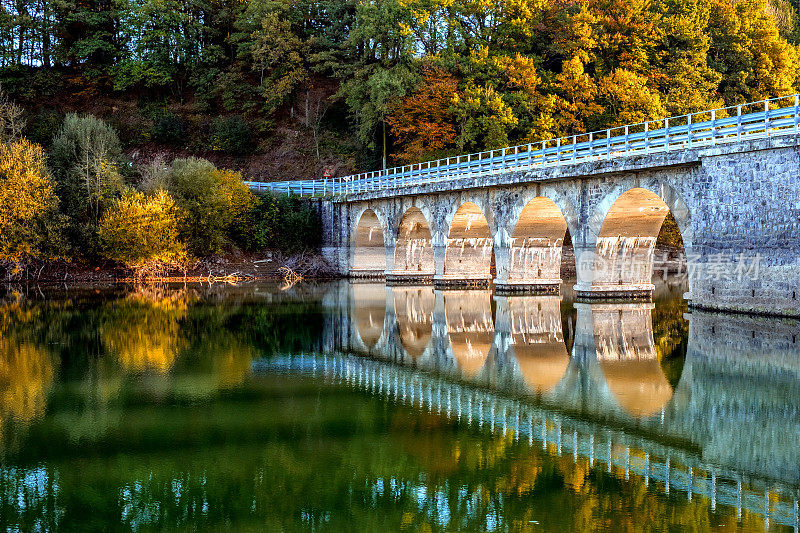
{"type": "Point", "coordinates": [737, 206]}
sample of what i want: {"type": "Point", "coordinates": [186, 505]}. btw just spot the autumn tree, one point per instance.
{"type": "Point", "coordinates": [423, 122]}
{"type": "Point", "coordinates": [627, 99]}
{"type": "Point", "coordinates": [28, 205]}
{"type": "Point", "coordinates": [142, 231]}
{"type": "Point", "coordinates": [746, 48]}
{"type": "Point", "coordinates": [577, 97]}
{"type": "Point", "coordinates": [685, 79]}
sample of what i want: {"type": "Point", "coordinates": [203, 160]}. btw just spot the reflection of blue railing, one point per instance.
{"type": "Point", "coordinates": [768, 118]}
{"type": "Point", "coordinates": [553, 431]}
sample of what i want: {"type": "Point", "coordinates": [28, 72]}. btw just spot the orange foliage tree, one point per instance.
{"type": "Point", "coordinates": [423, 122]}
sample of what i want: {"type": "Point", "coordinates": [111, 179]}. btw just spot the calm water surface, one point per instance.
{"type": "Point", "coordinates": [363, 407]}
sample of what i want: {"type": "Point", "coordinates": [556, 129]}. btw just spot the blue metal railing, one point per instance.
{"type": "Point", "coordinates": [301, 188]}
{"type": "Point", "coordinates": [758, 120]}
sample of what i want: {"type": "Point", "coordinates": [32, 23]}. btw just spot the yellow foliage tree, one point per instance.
{"type": "Point", "coordinates": [746, 47]}
{"type": "Point", "coordinates": [139, 230]}
{"type": "Point", "coordinates": [628, 99]}
{"type": "Point", "coordinates": [484, 117]}
{"type": "Point", "coordinates": [577, 97]}
{"type": "Point", "coordinates": [26, 201]}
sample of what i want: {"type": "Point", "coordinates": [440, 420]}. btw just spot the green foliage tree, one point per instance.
{"type": "Point", "coordinates": [381, 72]}
{"type": "Point", "coordinates": [86, 158]}
{"type": "Point", "coordinates": [232, 135]}
{"type": "Point", "coordinates": [162, 35]}
{"type": "Point", "coordinates": [216, 203]}
{"type": "Point", "coordinates": [88, 32]}
{"type": "Point", "coordinates": [686, 80]}
{"type": "Point", "coordinates": [281, 57]}
{"type": "Point", "coordinates": [282, 222]}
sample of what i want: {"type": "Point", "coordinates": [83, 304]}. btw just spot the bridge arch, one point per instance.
{"type": "Point", "coordinates": [368, 252]}
{"type": "Point", "coordinates": [536, 243]}
{"type": "Point", "coordinates": [469, 256]}
{"type": "Point", "coordinates": [413, 253]}
{"type": "Point", "coordinates": [568, 210]}
{"type": "Point", "coordinates": [622, 234]}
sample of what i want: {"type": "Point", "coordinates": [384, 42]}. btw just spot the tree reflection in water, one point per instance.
{"type": "Point", "coordinates": [142, 407]}
{"type": "Point", "coordinates": [26, 368]}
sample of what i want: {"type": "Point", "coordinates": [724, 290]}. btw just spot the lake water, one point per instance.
{"type": "Point", "coordinates": [348, 407]}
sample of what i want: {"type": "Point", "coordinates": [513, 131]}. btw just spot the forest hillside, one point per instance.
{"type": "Point", "coordinates": [127, 127]}
{"type": "Point", "coordinates": [281, 89]}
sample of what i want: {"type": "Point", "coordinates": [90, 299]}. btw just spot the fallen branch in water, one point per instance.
{"type": "Point", "coordinates": [290, 278]}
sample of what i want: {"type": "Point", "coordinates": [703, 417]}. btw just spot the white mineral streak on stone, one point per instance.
{"type": "Point", "coordinates": [473, 217]}
{"type": "Point", "coordinates": [530, 255]}
{"type": "Point", "coordinates": [624, 259]}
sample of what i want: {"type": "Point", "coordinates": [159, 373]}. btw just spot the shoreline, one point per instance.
{"type": "Point", "coordinates": [248, 268]}
{"type": "Point", "coordinates": [231, 267]}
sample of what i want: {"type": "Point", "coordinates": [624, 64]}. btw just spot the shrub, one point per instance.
{"type": "Point", "coordinates": [232, 135]}
{"type": "Point", "coordinates": [285, 223]}
{"type": "Point", "coordinates": [86, 159]}
{"type": "Point", "coordinates": [169, 129]}
{"type": "Point", "coordinates": [300, 225]}
{"type": "Point", "coordinates": [28, 216]}
{"type": "Point", "coordinates": [216, 203]}
{"type": "Point", "coordinates": [138, 230]}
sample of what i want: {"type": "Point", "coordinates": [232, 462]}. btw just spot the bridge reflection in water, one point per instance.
{"type": "Point", "coordinates": [725, 426]}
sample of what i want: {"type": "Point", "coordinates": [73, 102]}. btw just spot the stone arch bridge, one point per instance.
{"type": "Point", "coordinates": [737, 207]}
{"type": "Point", "coordinates": [730, 177]}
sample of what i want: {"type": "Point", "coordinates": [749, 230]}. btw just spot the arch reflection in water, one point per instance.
{"type": "Point", "coordinates": [470, 326]}
{"type": "Point", "coordinates": [369, 310]}
{"type": "Point", "coordinates": [537, 340]}
{"type": "Point", "coordinates": [622, 339]}
{"type": "Point", "coordinates": [413, 309]}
